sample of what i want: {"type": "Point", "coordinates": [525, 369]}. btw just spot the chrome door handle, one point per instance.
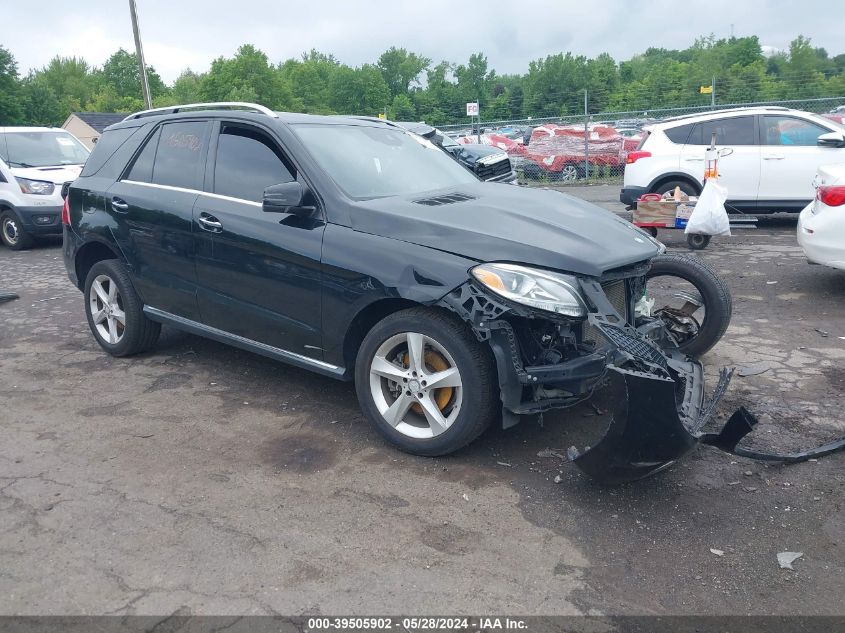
{"type": "Point", "coordinates": [210, 223]}
{"type": "Point", "coordinates": [773, 157]}
{"type": "Point", "coordinates": [119, 205]}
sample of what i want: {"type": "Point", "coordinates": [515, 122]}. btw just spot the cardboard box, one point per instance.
{"type": "Point", "coordinates": [667, 212]}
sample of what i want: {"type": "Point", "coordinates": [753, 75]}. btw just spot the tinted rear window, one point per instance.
{"type": "Point", "coordinates": [180, 154]}
{"type": "Point", "coordinates": [106, 146]}
{"type": "Point", "coordinates": [738, 130]}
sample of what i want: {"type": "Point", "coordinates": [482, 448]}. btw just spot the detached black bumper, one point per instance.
{"type": "Point", "coordinates": [654, 422]}
{"type": "Point", "coordinates": [657, 396]}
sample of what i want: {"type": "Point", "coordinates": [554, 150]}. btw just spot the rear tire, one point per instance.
{"type": "Point", "coordinates": [115, 311]}
{"type": "Point", "coordinates": [713, 290]}
{"type": "Point", "coordinates": [12, 232]}
{"type": "Point", "coordinates": [685, 186]}
{"type": "Point", "coordinates": [395, 374]}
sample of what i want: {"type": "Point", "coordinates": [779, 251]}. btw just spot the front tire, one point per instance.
{"type": "Point", "coordinates": [425, 382]}
{"type": "Point", "coordinates": [115, 311]}
{"type": "Point", "coordinates": [12, 232]}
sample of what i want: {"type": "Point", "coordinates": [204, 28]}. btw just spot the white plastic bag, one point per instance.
{"type": "Point", "coordinates": [709, 216]}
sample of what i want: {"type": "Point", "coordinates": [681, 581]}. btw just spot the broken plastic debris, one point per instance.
{"type": "Point", "coordinates": [785, 559]}
{"type": "Point", "coordinates": [717, 552]}
{"type": "Point", "coordinates": [753, 370]}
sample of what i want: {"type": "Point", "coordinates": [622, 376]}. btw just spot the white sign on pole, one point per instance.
{"type": "Point", "coordinates": [472, 109]}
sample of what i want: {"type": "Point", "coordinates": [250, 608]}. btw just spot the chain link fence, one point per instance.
{"type": "Point", "coordinates": [579, 149]}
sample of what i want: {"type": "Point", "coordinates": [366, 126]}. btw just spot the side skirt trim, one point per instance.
{"type": "Point", "coordinates": [249, 345]}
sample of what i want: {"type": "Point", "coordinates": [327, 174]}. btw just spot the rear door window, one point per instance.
{"type": "Point", "coordinates": [738, 130]}
{"type": "Point", "coordinates": [248, 162]}
{"type": "Point", "coordinates": [787, 130]}
{"type": "Point", "coordinates": [180, 156]}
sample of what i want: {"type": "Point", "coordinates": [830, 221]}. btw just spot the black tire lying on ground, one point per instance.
{"type": "Point", "coordinates": [713, 290]}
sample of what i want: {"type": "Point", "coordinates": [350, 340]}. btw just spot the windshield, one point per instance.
{"type": "Point", "coordinates": [42, 149]}
{"type": "Point", "coordinates": [375, 162]}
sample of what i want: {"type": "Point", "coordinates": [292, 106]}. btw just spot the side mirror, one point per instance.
{"type": "Point", "coordinates": [831, 139]}
{"type": "Point", "coordinates": [287, 197]}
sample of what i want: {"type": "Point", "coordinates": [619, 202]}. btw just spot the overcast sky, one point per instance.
{"type": "Point", "coordinates": [190, 33]}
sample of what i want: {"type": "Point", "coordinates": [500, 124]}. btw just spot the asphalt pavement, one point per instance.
{"type": "Point", "coordinates": [202, 479]}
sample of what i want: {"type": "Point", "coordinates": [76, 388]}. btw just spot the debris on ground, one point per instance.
{"type": "Point", "coordinates": [785, 559]}
{"type": "Point", "coordinates": [8, 296]}
{"type": "Point", "coordinates": [822, 332]}
{"type": "Point", "coordinates": [548, 452]}
{"type": "Point", "coordinates": [753, 370]}
{"type": "Point", "coordinates": [465, 497]}
{"type": "Point", "coordinates": [717, 552]}
{"type": "Point", "coordinates": [503, 464]}
{"type": "Point", "coordinates": [557, 479]}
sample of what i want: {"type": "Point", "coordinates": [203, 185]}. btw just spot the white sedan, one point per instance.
{"type": "Point", "coordinates": [821, 225]}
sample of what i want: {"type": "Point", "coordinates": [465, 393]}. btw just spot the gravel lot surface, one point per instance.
{"type": "Point", "coordinates": [202, 479]}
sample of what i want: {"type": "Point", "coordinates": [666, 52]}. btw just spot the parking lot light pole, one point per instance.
{"type": "Point", "coordinates": [139, 51]}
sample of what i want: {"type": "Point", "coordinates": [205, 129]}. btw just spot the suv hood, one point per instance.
{"type": "Point", "coordinates": [501, 222]}
{"type": "Point", "coordinates": [59, 174]}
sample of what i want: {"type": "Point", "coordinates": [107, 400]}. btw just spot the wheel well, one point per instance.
{"type": "Point", "coordinates": [88, 255]}
{"type": "Point", "coordinates": [364, 322]}
{"type": "Point", "coordinates": [675, 177]}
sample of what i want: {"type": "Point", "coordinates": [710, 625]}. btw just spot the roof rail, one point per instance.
{"type": "Point", "coordinates": [723, 111]}
{"type": "Point", "coordinates": [204, 106]}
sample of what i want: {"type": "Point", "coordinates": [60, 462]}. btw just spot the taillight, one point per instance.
{"type": "Point", "coordinates": [633, 157]}
{"type": "Point", "coordinates": [831, 196]}
{"type": "Point", "coordinates": [66, 214]}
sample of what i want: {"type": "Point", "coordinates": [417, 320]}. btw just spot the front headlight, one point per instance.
{"type": "Point", "coordinates": [539, 289]}
{"type": "Point", "coordinates": [37, 187]}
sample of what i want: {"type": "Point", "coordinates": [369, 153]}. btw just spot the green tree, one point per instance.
{"type": "Point", "coordinates": [40, 105]}
{"type": "Point", "coordinates": [402, 108]}
{"type": "Point", "coordinates": [10, 101]}
{"type": "Point", "coordinates": [247, 75]}
{"type": "Point", "coordinates": [401, 69]}
{"type": "Point", "coordinates": [123, 74]}
{"type": "Point", "coordinates": [358, 90]}
{"type": "Point", "coordinates": [186, 88]}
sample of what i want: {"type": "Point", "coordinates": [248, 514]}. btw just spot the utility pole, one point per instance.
{"type": "Point", "coordinates": [139, 51]}
{"type": "Point", "coordinates": [713, 94]}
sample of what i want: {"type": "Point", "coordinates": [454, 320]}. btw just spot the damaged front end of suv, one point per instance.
{"type": "Point", "coordinates": [557, 339]}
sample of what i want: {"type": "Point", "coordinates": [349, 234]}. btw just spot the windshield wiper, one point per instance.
{"type": "Point", "coordinates": [14, 163]}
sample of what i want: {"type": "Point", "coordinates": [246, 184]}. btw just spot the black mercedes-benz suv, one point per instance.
{"type": "Point", "coordinates": [362, 252]}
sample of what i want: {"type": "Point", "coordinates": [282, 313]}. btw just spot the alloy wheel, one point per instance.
{"type": "Point", "coordinates": [416, 385]}
{"type": "Point", "coordinates": [569, 173]}
{"type": "Point", "coordinates": [107, 313]}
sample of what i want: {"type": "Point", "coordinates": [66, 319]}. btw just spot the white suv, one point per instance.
{"type": "Point", "coordinates": [776, 152]}
{"type": "Point", "coordinates": [34, 164]}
